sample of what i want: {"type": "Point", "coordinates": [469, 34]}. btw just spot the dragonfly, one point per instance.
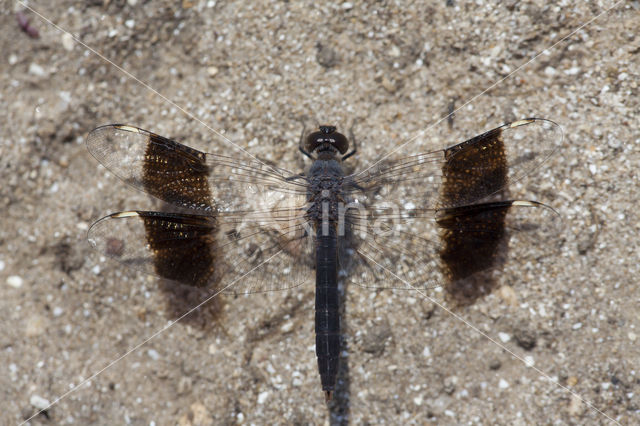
{"type": "Point", "coordinates": [417, 222]}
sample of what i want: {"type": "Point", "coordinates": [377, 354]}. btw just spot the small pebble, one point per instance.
{"type": "Point", "coordinates": [57, 311]}
{"type": "Point", "coordinates": [450, 384]}
{"type": "Point", "coordinates": [262, 397]}
{"type": "Point", "coordinates": [504, 337]}
{"type": "Point", "coordinates": [67, 41]}
{"type": "Point", "coordinates": [632, 336]}
{"type": "Point", "coordinates": [503, 384]}
{"type": "Point", "coordinates": [153, 354]}
{"type": "Point", "coordinates": [130, 23]}
{"type": "Point", "coordinates": [495, 364]}
{"type": "Point", "coordinates": [287, 327]}
{"type": "Point", "coordinates": [14, 280]}
{"type": "Point", "coordinates": [212, 71]}
{"type": "Point", "coordinates": [35, 326]}
{"type": "Point", "coordinates": [394, 51]}
{"type": "Point", "coordinates": [200, 414]}
{"type": "Point", "coordinates": [39, 402]}
{"type": "Point", "coordinates": [508, 295]}
{"type": "Point", "coordinates": [37, 70]}
{"type": "Point", "coordinates": [575, 406]}
{"type": "Point", "coordinates": [426, 352]}
{"type": "Point", "coordinates": [13, 59]}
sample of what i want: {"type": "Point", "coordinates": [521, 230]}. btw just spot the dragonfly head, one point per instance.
{"type": "Point", "coordinates": [326, 139]}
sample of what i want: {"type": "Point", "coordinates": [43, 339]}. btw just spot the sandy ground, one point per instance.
{"type": "Point", "coordinates": [256, 70]}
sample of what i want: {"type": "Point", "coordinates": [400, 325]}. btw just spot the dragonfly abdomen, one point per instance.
{"type": "Point", "coordinates": [327, 308]}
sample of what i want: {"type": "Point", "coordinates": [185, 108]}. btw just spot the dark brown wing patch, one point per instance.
{"type": "Point", "coordinates": [173, 171]}
{"type": "Point", "coordinates": [183, 246]}
{"type": "Point", "coordinates": [472, 236]}
{"type": "Point", "coordinates": [474, 169]}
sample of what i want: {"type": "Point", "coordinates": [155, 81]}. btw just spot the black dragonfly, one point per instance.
{"type": "Point", "coordinates": [415, 222]}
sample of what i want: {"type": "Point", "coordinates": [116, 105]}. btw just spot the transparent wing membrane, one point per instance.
{"type": "Point", "coordinates": [203, 251]}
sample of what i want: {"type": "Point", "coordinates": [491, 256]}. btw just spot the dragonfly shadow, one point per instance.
{"type": "Point", "coordinates": [181, 298]}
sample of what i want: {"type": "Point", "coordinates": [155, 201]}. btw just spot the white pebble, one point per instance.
{"type": "Point", "coordinates": [347, 5]}
{"type": "Point", "coordinates": [262, 397]}
{"type": "Point", "coordinates": [57, 311]}
{"type": "Point", "coordinates": [212, 71]}
{"type": "Point", "coordinates": [15, 281]}
{"type": "Point", "coordinates": [287, 327]}
{"type": "Point", "coordinates": [577, 326]}
{"type": "Point", "coordinates": [503, 384]}
{"type": "Point", "coordinates": [2, 265]}
{"type": "Point", "coordinates": [529, 361]}
{"type": "Point", "coordinates": [504, 337]}
{"type": "Point", "coordinates": [550, 71]}
{"type": "Point", "coordinates": [39, 402]}
{"type": "Point", "coordinates": [426, 352]}
{"type": "Point", "coordinates": [37, 70]}
{"type": "Point", "coordinates": [632, 336]}
{"type": "Point", "coordinates": [96, 269]}
{"type": "Point", "coordinates": [13, 59]}
{"type": "Point", "coordinates": [153, 354]}
{"type": "Point", "coordinates": [130, 23]}
{"type": "Point", "coordinates": [67, 41]}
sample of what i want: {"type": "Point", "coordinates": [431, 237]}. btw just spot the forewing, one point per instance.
{"type": "Point", "coordinates": [186, 177]}
{"type": "Point", "coordinates": [463, 174]}
{"type": "Point", "coordinates": [207, 251]}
